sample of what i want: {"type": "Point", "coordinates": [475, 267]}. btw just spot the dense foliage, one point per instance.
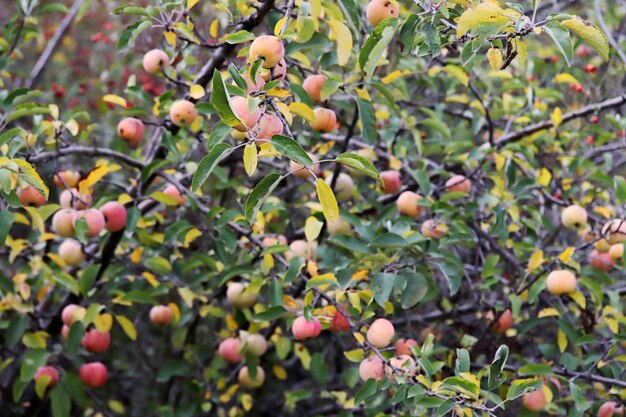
{"type": "Point", "coordinates": [312, 207]}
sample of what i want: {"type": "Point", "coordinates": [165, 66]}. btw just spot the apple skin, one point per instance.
{"type": "Point", "coordinates": [230, 349]}
{"type": "Point", "coordinates": [29, 196]}
{"type": "Point", "coordinates": [269, 241]}
{"type": "Point", "coordinates": [504, 323]}
{"type": "Point", "coordinates": [392, 181]}
{"type": "Point", "coordinates": [249, 119]}
{"type": "Point", "coordinates": [277, 73]}
{"type": "Point", "coordinates": [71, 252]}
{"type": "Point", "coordinates": [560, 282]}
{"type": "Point", "coordinates": [247, 382]}
{"type": "Point", "coordinates": [379, 10]}
{"type": "Point", "coordinates": [268, 48]}
{"type": "Point", "coordinates": [458, 183]}
{"type": "Point", "coordinates": [343, 187]}
{"type": "Point", "coordinates": [235, 295]}
{"type": "Point", "coordinates": [534, 401]}
{"type": "Point", "coordinates": [302, 329]}
{"type": "Point", "coordinates": [70, 177]}
{"type": "Point", "coordinates": [256, 344]}
{"type": "Point", "coordinates": [299, 171]}
{"type": "Point", "coordinates": [65, 331]}
{"type": "Point", "coordinates": [574, 216]}
{"type": "Point", "coordinates": [115, 215]}
{"type": "Point", "coordinates": [313, 86]}
{"type": "Point", "coordinates": [404, 363]}
{"type": "Point", "coordinates": [270, 125]}
{"type": "Point", "coordinates": [371, 368]}
{"type": "Point", "coordinates": [63, 222]}
{"type": "Point", "coordinates": [610, 409]}
{"type": "Point", "coordinates": [49, 371]}
{"type": "Point", "coordinates": [432, 229]}
{"type": "Point", "coordinates": [155, 61]}
{"type": "Point", "coordinates": [95, 221]}
{"type": "Point", "coordinates": [258, 86]}
{"type": "Point", "coordinates": [302, 249]}
{"type": "Point", "coordinates": [407, 204]}
{"type": "Point", "coordinates": [72, 313]}
{"type": "Point", "coordinates": [81, 201]}
{"type": "Point", "coordinates": [380, 333]}
{"type": "Point", "coordinates": [161, 315]}
{"type": "Point", "coordinates": [95, 341]}
{"type": "Point", "coordinates": [93, 374]}
{"type": "Point", "coordinates": [173, 192]}
{"type": "Point", "coordinates": [183, 113]}
{"type": "Point", "coordinates": [403, 346]}
{"type": "Point", "coordinates": [617, 252]}
{"type": "Point", "coordinates": [325, 120]}
{"type": "Point", "coordinates": [614, 231]}
{"type": "Point", "coordinates": [602, 262]}
{"type": "Point", "coordinates": [131, 130]}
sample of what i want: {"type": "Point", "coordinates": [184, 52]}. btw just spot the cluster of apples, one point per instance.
{"type": "Point", "coordinates": [608, 248]}
{"type": "Point", "coordinates": [233, 350]}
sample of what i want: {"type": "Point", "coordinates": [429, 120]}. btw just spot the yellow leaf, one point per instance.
{"type": "Point", "coordinates": [327, 200]}
{"type": "Point", "coordinates": [520, 47]}
{"type": "Point", "coordinates": [566, 255]}
{"type": "Point", "coordinates": [103, 322]}
{"type": "Point", "coordinates": [32, 176]}
{"type": "Point", "coordinates": [316, 8]}
{"type": "Point", "coordinates": [278, 92]}
{"type": "Point", "coordinates": [151, 278]}
{"type": "Point", "coordinates": [176, 311]}
{"type": "Point", "coordinates": [127, 326]}
{"type": "Point", "coordinates": [72, 127]}
{"type": "Point", "coordinates": [302, 110]}
{"type": "Point", "coordinates": [476, 14]}
{"type": "Point", "coordinates": [279, 25]}
{"type": "Point", "coordinates": [590, 34]}
{"type": "Point", "coordinates": [95, 175]}
{"type": "Point", "coordinates": [112, 98]}
{"type": "Point", "coordinates": [37, 221]}
{"type": "Point", "coordinates": [536, 260]}
{"type": "Point", "coordinates": [191, 3]}
{"type": "Point", "coordinates": [246, 402]}
{"type": "Point", "coordinates": [250, 158]}
{"type": "Point", "coordinates": [279, 372]}
{"type": "Point", "coordinates": [565, 78]}
{"type": "Point", "coordinates": [557, 117]}
{"type": "Point", "coordinates": [388, 79]}
{"type": "Point", "coordinates": [196, 91]}
{"type": "Point", "coordinates": [544, 176]}
{"type": "Point", "coordinates": [494, 55]}
{"type": "Point", "coordinates": [562, 341]}
{"type": "Point", "coordinates": [191, 235]}
{"type": "Point", "coordinates": [135, 257]}
{"type": "Point", "coordinates": [284, 110]}
{"type": "Point", "coordinates": [187, 295]}
{"type": "Point", "coordinates": [54, 111]}
{"type": "Point", "coordinates": [579, 298]}
{"type": "Point", "coordinates": [343, 37]}
{"type": "Point", "coordinates": [548, 312]}
{"type": "Point", "coordinates": [458, 73]}
{"type": "Point", "coordinates": [214, 28]}
{"type": "Point", "coordinates": [170, 38]}
{"type": "Point", "coordinates": [312, 228]}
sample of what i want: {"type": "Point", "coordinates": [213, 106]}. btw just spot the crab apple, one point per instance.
{"type": "Point", "coordinates": [256, 344]}
{"type": "Point", "coordinates": [299, 170]}
{"type": "Point", "coordinates": [274, 240]}
{"type": "Point", "coordinates": [339, 323]}
{"type": "Point", "coordinates": [407, 204]}
{"type": "Point", "coordinates": [237, 135]}
{"type": "Point", "coordinates": [65, 331]}
{"type": "Point", "coordinates": [614, 231]}
{"type": "Point", "coordinates": [403, 346]}
{"type": "Point", "coordinates": [583, 51]}
{"type": "Point", "coordinates": [343, 187]}
{"type": "Point", "coordinates": [371, 368]}
{"type": "Point", "coordinates": [63, 222]}
{"type": "Point", "coordinates": [610, 409]}
{"type": "Point", "coordinates": [325, 120]}
{"type": "Point", "coordinates": [504, 323]}
{"type": "Point", "coordinates": [95, 341]}
{"type": "Point", "coordinates": [248, 118]}
{"type": "Point", "coordinates": [379, 10]}
{"type": "Point", "coordinates": [237, 297]}
{"type": "Point", "coordinates": [589, 235]}
{"type": "Point", "coordinates": [432, 229]}
{"type": "Point", "coordinates": [269, 48]}
{"type": "Point", "coordinates": [72, 313]}
{"type": "Point", "coordinates": [380, 333]}
{"type": "Point", "coordinates": [131, 130]}
{"type": "Point", "coordinates": [74, 199]}
{"type": "Point", "coordinates": [617, 252]}
{"type": "Point", "coordinates": [458, 183]}
{"type": "Point", "coordinates": [67, 178]}
{"type": "Point", "coordinates": [71, 252]}
{"type": "Point", "coordinates": [29, 196]}
{"type": "Point", "coordinates": [183, 113]}
{"type": "Point", "coordinates": [161, 315]}
{"type": "Point", "coordinates": [155, 61]}
{"type": "Point", "coordinates": [305, 329]}
{"type": "Point", "coordinates": [302, 249]}
{"type": "Point", "coordinates": [269, 126]}
{"type": "Point", "coordinates": [602, 246]}
{"type": "Point", "coordinates": [49, 371]}
{"type": "Point", "coordinates": [404, 363]}
{"type": "Point", "coordinates": [313, 86]}
{"type": "Point", "coordinates": [339, 227]}
{"type": "Point", "coordinates": [534, 401]}
{"type": "Point", "coordinates": [114, 216]}
{"type": "Point", "coordinates": [277, 73]}
{"type": "Point", "coordinates": [560, 281]}
{"type": "Point", "coordinates": [230, 349]}
{"type": "Point", "coordinates": [392, 181]}
{"type": "Point", "coordinates": [602, 262]}
{"type": "Point", "coordinates": [94, 218]}
{"type": "Point", "coordinates": [172, 191]}
{"type": "Point", "coordinates": [247, 381]}
{"type": "Point", "coordinates": [258, 86]}
{"type": "Point", "coordinates": [93, 374]}
{"type": "Point", "coordinates": [574, 216]}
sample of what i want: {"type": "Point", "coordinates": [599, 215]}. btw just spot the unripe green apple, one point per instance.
{"type": "Point", "coordinates": [155, 61]}
{"type": "Point", "coordinates": [246, 380]}
{"type": "Point", "coordinates": [235, 295]}
{"type": "Point", "coordinates": [63, 222]}
{"type": "Point", "coordinates": [71, 252]}
{"type": "Point", "coordinates": [269, 48]}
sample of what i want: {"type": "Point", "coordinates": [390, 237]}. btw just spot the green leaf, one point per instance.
{"type": "Point", "coordinates": [416, 289]}
{"type": "Point", "coordinates": [259, 194]}
{"type": "Point", "coordinates": [6, 221]}
{"type": "Point", "coordinates": [239, 37]}
{"type": "Point", "coordinates": [352, 15]}
{"type": "Point", "coordinates": [368, 120]}
{"type": "Point", "coordinates": [367, 390]}
{"type": "Point", "coordinates": [375, 46]}
{"type": "Point", "coordinates": [535, 369]}
{"type": "Point", "coordinates": [408, 32]}
{"type": "Point", "coordinates": [453, 273]}
{"type": "Point", "coordinates": [438, 126]}
{"type": "Point", "coordinates": [208, 164]}
{"type": "Point", "coordinates": [591, 34]}
{"type": "Point", "coordinates": [359, 163]}
{"type": "Point", "coordinates": [522, 386]}
{"type": "Point", "coordinates": [270, 314]}
{"type": "Point", "coordinates": [445, 407]}
{"type": "Point", "coordinates": [496, 367]}
{"type": "Point", "coordinates": [221, 101]}
{"type": "Point", "coordinates": [67, 281]}
{"type": "Point", "coordinates": [562, 39]}
{"type": "Point", "coordinates": [29, 174]}
{"type": "Point", "coordinates": [325, 279]}
{"type": "Point", "coordinates": [10, 134]}
{"type": "Point", "coordinates": [463, 362]}
{"type": "Point", "coordinates": [87, 279]}
{"type": "Point", "coordinates": [61, 402]}
{"type": "Point", "coordinates": [292, 150]}
{"type": "Point", "coordinates": [461, 385]}
{"type": "Point", "coordinates": [620, 188]}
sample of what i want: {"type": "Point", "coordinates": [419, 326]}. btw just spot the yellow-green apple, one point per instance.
{"type": "Point", "coordinates": [246, 380]}
{"type": "Point", "coordinates": [155, 61]}
{"type": "Point", "coordinates": [63, 222]}
{"type": "Point", "coordinates": [560, 281]}
{"type": "Point", "coordinates": [236, 296]}
{"type": "Point", "coordinates": [71, 252]}
{"type": "Point", "coordinates": [380, 333]}
{"type": "Point", "coordinates": [574, 216]}
{"type": "Point", "coordinates": [269, 48]}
